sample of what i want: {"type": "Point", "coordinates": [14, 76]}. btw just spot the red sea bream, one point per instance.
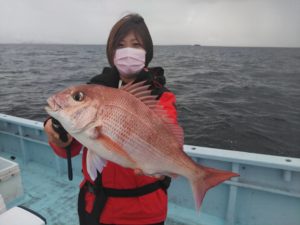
{"type": "Point", "coordinates": [129, 127]}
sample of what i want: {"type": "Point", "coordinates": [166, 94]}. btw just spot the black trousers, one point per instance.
{"type": "Point", "coordinates": [86, 218]}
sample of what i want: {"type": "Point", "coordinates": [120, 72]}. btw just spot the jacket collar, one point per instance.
{"type": "Point", "coordinates": [153, 76]}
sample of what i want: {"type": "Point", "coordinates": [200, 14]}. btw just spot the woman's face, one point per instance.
{"type": "Point", "coordinates": [130, 41]}
{"type": "Point", "coordinates": [129, 57]}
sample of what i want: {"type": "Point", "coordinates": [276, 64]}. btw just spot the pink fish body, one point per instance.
{"type": "Point", "coordinates": [128, 126]}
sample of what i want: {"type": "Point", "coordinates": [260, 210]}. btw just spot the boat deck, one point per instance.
{"type": "Point", "coordinates": [52, 196]}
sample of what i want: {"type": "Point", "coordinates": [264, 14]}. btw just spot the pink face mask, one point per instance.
{"type": "Point", "coordinates": [129, 61]}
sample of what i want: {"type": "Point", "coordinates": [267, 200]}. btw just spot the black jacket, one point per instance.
{"type": "Point", "coordinates": [154, 77]}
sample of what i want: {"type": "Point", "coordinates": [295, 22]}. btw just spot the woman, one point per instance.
{"type": "Point", "coordinates": [121, 195]}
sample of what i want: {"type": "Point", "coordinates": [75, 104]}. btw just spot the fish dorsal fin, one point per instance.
{"type": "Point", "coordinates": [142, 92]}
{"type": "Point", "coordinates": [134, 86]}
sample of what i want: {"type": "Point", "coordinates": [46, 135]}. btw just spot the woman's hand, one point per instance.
{"type": "Point", "coordinates": [53, 136]}
{"type": "Point", "coordinates": [139, 172]}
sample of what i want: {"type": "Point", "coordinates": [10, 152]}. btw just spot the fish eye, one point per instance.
{"type": "Point", "coordinates": [78, 96]}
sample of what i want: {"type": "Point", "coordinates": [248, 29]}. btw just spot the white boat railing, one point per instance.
{"type": "Point", "coordinates": [279, 162]}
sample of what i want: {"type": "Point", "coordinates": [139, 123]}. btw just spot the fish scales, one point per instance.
{"type": "Point", "coordinates": [134, 141]}
{"type": "Point", "coordinates": [145, 126]}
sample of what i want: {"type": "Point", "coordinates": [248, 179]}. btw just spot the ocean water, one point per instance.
{"type": "Point", "coordinates": [244, 99]}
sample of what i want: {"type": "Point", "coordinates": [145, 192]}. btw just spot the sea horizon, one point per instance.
{"type": "Point", "coordinates": [101, 44]}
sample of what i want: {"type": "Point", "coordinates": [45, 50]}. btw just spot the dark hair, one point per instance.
{"type": "Point", "coordinates": [131, 22]}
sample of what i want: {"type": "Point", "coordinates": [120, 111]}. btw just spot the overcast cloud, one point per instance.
{"type": "Point", "coordinates": [207, 22]}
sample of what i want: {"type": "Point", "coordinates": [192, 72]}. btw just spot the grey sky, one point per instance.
{"type": "Point", "coordinates": [207, 22]}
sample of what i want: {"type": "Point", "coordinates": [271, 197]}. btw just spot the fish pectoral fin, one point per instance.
{"type": "Point", "coordinates": [117, 149]}
{"type": "Point", "coordinates": [94, 132]}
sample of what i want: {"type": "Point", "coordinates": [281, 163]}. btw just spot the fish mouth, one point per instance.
{"type": "Point", "coordinates": [53, 105]}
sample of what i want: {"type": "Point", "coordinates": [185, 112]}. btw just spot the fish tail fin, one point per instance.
{"type": "Point", "coordinates": [202, 182]}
